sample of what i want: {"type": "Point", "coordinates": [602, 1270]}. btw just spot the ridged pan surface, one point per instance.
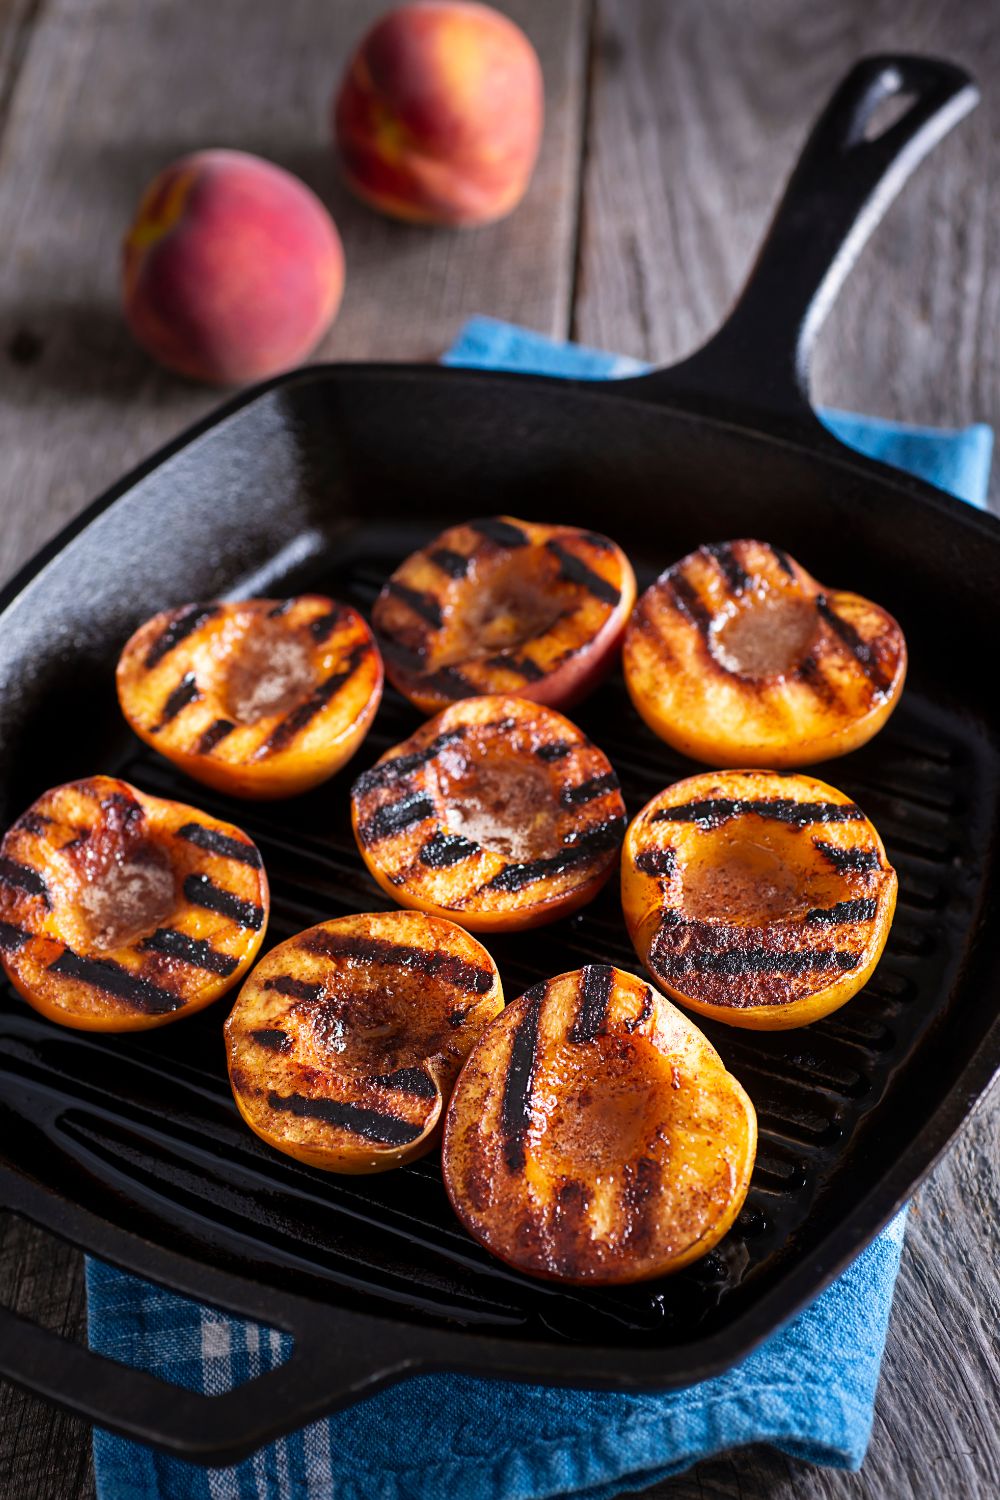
{"type": "Point", "coordinates": [143, 1128]}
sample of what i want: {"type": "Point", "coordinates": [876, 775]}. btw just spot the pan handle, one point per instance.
{"type": "Point", "coordinates": [841, 187]}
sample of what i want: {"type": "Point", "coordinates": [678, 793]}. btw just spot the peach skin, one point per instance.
{"type": "Point", "coordinates": [439, 116]}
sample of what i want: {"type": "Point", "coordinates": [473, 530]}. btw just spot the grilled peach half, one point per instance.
{"type": "Point", "coordinates": [120, 911]}
{"type": "Point", "coordinates": [594, 1134]}
{"type": "Point", "coordinates": [345, 1041]}
{"type": "Point", "coordinates": [264, 698]}
{"type": "Point", "coordinates": [505, 606]}
{"type": "Point", "coordinates": [736, 656]}
{"type": "Point", "coordinates": [758, 899]}
{"type": "Point", "coordinates": [498, 813]}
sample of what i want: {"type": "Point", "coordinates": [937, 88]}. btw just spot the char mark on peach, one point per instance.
{"type": "Point", "coordinates": [846, 860]}
{"type": "Point", "coordinates": [214, 735]}
{"type": "Point", "coordinates": [657, 862]}
{"type": "Point", "coordinates": [104, 974]}
{"type": "Point", "coordinates": [403, 765]}
{"type": "Point", "coordinates": [451, 682]}
{"type": "Point", "coordinates": [323, 626]}
{"type": "Point", "coordinates": [293, 723]}
{"type": "Point", "coordinates": [178, 630]}
{"type": "Point", "coordinates": [687, 601]}
{"type": "Point", "coordinates": [554, 750]}
{"type": "Point", "coordinates": [272, 1039]}
{"type": "Point", "coordinates": [734, 962]}
{"type": "Point", "coordinates": [859, 648]}
{"type": "Point", "coordinates": [201, 891]}
{"type": "Point", "coordinates": [372, 1124]}
{"type": "Point", "coordinates": [515, 1106]}
{"type": "Point", "coordinates": [861, 910]}
{"type": "Point", "coordinates": [522, 665]}
{"type": "Point", "coordinates": [575, 571]}
{"type": "Point", "coordinates": [711, 812]}
{"type": "Point", "coordinates": [187, 691]}
{"type": "Point", "coordinates": [409, 658]}
{"type": "Point", "coordinates": [585, 847]}
{"type": "Point", "coordinates": [281, 608]}
{"type": "Point", "coordinates": [587, 791]}
{"type": "Point", "coordinates": [12, 938]}
{"type": "Point", "coordinates": [733, 570]}
{"type": "Point", "coordinates": [194, 951]}
{"type": "Point", "coordinates": [214, 842]}
{"type": "Point", "coordinates": [782, 559]}
{"type": "Point", "coordinates": [502, 533]}
{"type": "Point", "coordinates": [451, 563]}
{"type": "Point", "coordinates": [430, 961]}
{"type": "Point", "coordinates": [33, 822]}
{"type": "Point", "coordinates": [395, 816]}
{"type": "Point", "coordinates": [596, 983]}
{"type": "Point", "coordinates": [414, 1081]}
{"type": "Point", "coordinates": [424, 605]}
{"type": "Point", "coordinates": [24, 878]}
{"type": "Point", "coordinates": [295, 989]}
{"type": "Point", "coordinates": [446, 849]}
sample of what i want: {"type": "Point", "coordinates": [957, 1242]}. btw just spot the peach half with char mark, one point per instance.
{"type": "Point", "coordinates": [498, 813]}
{"type": "Point", "coordinates": [261, 698]}
{"type": "Point", "coordinates": [120, 911]}
{"type": "Point", "coordinates": [594, 1134]}
{"type": "Point", "coordinates": [737, 656]}
{"type": "Point", "coordinates": [757, 899]}
{"type": "Point", "coordinates": [345, 1042]}
{"type": "Point", "coordinates": [499, 605]}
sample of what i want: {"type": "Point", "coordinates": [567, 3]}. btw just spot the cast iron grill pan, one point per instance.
{"type": "Point", "coordinates": [132, 1146]}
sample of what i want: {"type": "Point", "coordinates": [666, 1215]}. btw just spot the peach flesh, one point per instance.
{"type": "Point", "coordinates": [270, 672]}
{"type": "Point", "coordinates": [749, 871]}
{"type": "Point", "coordinates": [765, 636]}
{"type": "Point", "coordinates": [504, 805]}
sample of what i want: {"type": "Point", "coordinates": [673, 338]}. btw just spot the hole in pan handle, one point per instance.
{"type": "Point", "coordinates": [845, 179]}
{"type": "Point", "coordinates": [214, 1430]}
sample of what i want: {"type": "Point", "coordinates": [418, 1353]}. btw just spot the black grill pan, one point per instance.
{"type": "Point", "coordinates": [131, 1147]}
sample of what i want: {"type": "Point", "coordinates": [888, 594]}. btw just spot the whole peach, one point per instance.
{"type": "Point", "coordinates": [233, 269]}
{"type": "Point", "coordinates": [439, 116]}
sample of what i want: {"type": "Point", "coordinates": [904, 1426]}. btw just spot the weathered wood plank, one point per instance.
{"type": "Point", "coordinates": [696, 116]}
{"type": "Point", "coordinates": [108, 94]}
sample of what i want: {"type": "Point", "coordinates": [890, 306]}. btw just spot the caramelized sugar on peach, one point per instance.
{"type": "Point", "coordinates": [263, 698]}
{"type": "Point", "coordinates": [594, 1134]}
{"type": "Point", "coordinates": [121, 911]}
{"type": "Point", "coordinates": [498, 813]}
{"type": "Point", "coordinates": [500, 605]}
{"type": "Point", "coordinates": [736, 656]}
{"type": "Point", "coordinates": [344, 1043]}
{"type": "Point", "coordinates": [759, 899]}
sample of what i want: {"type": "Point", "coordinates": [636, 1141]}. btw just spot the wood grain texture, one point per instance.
{"type": "Point", "coordinates": [694, 115]}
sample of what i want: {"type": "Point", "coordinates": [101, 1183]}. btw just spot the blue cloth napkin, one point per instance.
{"type": "Point", "coordinates": [809, 1390]}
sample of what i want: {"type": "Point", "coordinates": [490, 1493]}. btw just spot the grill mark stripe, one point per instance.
{"type": "Point", "coordinates": [687, 601]}
{"type": "Point", "coordinates": [410, 658]}
{"type": "Point", "coordinates": [555, 750]}
{"type": "Point", "coordinates": [502, 533]}
{"type": "Point", "coordinates": [187, 691]}
{"type": "Point", "coordinates": [272, 1038]}
{"type": "Point", "coordinates": [24, 878]}
{"type": "Point", "coordinates": [733, 570]}
{"type": "Point", "coordinates": [782, 559]}
{"type": "Point", "coordinates": [214, 735]}
{"type": "Point", "coordinates": [33, 822]}
{"type": "Point", "coordinates": [451, 682]}
{"type": "Point", "coordinates": [587, 791]}
{"type": "Point", "coordinates": [104, 974]}
{"type": "Point", "coordinates": [859, 648]}
{"type": "Point", "coordinates": [403, 765]}
{"type": "Point", "coordinates": [194, 951]}
{"type": "Point", "coordinates": [596, 984]}
{"type": "Point", "coordinates": [658, 862]}
{"type": "Point", "coordinates": [294, 722]}
{"type": "Point", "coordinates": [201, 891]}
{"type": "Point", "coordinates": [522, 665]}
{"type": "Point", "coordinates": [409, 1081]}
{"type": "Point", "coordinates": [734, 962]}
{"type": "Point", "coordinates": [711, 811]}
{"type": "Point", "coordinates": [186, 624]}
{"type": "Point", "coordinates": [323, 626]}
{"type": "Point", "coordinates": [432, 962]}
{"type": "Point", "coordinates": [422, 604]}
{"type": "Point", "coordinates": [597, 840]}
{"type": "Point", "coordinates": [844, 860]}
{"type": "Point", "coordinates": [295, 989]}
{"type": "Point", "coordinates": [12, 938]}
{"type": "Point", "coordinates": [452, 563]}
{"type": "Point", "coordinates": [446, 849]}
{"type": "Point", "coordinates": [395, 816]}
{"type": "Point", "coordinates": [214, 842]}
{"type": "Point", "coordinates": [862, 909]}
{"type": "Point", "coordinates": [515, 1106]}
{"type": "Point", "coordinates": [372, 1124]}
{"type": "Point", "coordinates": [575, 571]}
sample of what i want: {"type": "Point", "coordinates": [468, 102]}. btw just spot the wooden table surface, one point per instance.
{"type": "Point", "coordinates": [670, 130]}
